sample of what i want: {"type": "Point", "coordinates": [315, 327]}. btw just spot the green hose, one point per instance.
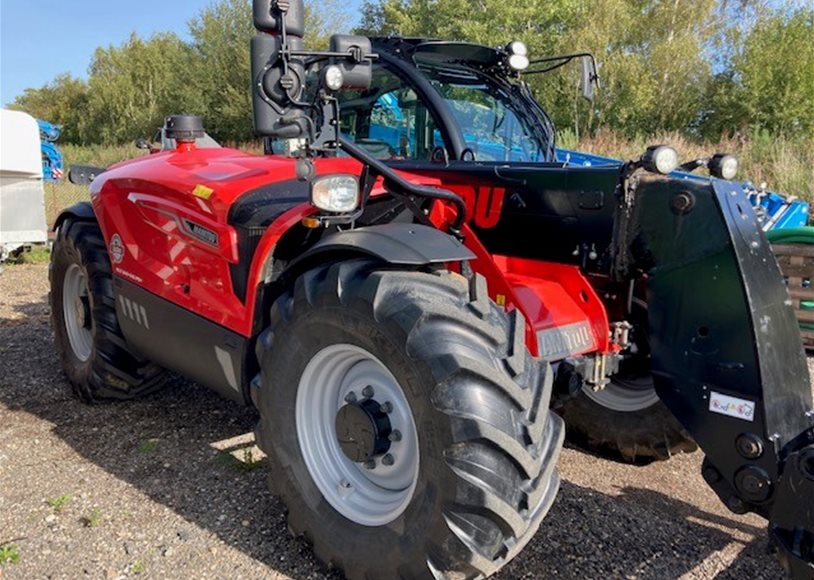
{"type": "Point", "coordinates": [803, 235]}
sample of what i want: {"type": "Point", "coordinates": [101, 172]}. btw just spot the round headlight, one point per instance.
{"type": "Point", "coordinates": [518, 61]}
{"type": "Point", "coordinates": [518, 48]}
{"type": "Point", "coordinates": [335, 193]}
{"type": "Point", "coordinates": [723, 166]}
{"type": "Point", "coordinates": [660, 159]}
{"type": "Point", "coordinates": [334, 78]}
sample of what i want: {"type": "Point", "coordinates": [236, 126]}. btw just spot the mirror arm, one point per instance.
{"type": "Point", "coordinates": [322, 55]}
{"type": "Point", "coordinates": [561, 61]}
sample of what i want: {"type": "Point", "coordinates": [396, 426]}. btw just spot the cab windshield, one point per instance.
{"type": "Point", "coordinates": [495, 127]}
{"type": "Point", "coordinates": [391, 121]}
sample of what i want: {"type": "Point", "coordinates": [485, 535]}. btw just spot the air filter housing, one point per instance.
{"type": "Point", "coordinates": [184, 128]}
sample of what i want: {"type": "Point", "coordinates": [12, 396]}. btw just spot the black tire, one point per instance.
{"type": "Point", "coordinates": [111, 371]}
{"type": "Point", "coordinates": [487, 471]}
{"type": "Point", "coordinates": [637, 435]}
{"type": "Point", "coordinates": [634, 436]}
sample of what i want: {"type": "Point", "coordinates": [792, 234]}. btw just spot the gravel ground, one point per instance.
{"type": "Point", "coordinates": [168, 487]}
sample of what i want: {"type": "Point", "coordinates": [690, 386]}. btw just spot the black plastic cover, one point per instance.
{"type": "Point", "coordinates": [397, 243]}
{"type": "Point", "coordinates": [251, 214]}
{"type": "Point", "coordinates": [273, 114]}
{"type": "Point", "coordinates": [82, 211]}
{"type": "Point", "coordinates": [358, 75]}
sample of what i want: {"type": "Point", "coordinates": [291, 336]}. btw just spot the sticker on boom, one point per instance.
{"type": "Point", "coordinates": [731, 406]}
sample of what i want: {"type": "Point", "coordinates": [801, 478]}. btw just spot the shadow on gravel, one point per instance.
{"type": "Point", "coordinates": [587, 535]}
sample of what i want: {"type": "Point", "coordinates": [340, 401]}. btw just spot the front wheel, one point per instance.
{"type": "Point", "coordinates": [92, 349]}
{"type": "Point", "coordinates": [627, 418]}
{"type": "Point", "coordinates": [406, 425]}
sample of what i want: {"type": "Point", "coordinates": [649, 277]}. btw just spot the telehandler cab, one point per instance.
{"type": "Point", "coordinates": [407, 283]}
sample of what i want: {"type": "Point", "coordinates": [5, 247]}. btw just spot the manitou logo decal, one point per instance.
{"type": "Point", "coordinates": [560, 341]}
{"type": "Point", "coordinates": [116, 249]}
{"type": "Point", "coordinates": [731, 406]}
{"type": "Point", "coordinates": [483, 204]}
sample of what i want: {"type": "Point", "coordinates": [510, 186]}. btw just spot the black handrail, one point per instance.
{"type": "Point", "coordinates": [394, 181]}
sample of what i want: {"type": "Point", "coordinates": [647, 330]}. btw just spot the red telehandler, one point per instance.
{"type": "Point", "coordinates": [407, 286]}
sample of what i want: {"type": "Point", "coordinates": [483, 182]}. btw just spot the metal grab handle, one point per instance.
{"type": "Point", "coordinates": [401, 186]}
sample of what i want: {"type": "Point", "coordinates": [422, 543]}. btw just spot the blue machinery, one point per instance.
{"type": "Point", "coordinates": [775, 211]}
{"type": "Point", "coordinates": [52, 161]}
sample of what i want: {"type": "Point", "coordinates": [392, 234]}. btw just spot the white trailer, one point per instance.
{"type": "Point", "coordinates": [22, 197]}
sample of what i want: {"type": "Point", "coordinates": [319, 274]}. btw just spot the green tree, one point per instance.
{"type": "Point", "coordinates": [655, 55]}
{"type": "Point", "coordinates": [133, 86]}
{"type": "Point", "coordinates": [63, 101]}
{"type": "Point", "coordinates": [221, 36]}
{"type": "Point", "coordinates": [770, 84]}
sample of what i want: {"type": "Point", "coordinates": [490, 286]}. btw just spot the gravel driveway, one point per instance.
{"type": "Point", "coordinates": [169, 486]}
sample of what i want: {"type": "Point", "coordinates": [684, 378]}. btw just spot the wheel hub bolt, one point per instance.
{"type": "Point", "coordinates": [388, 459]}
{"type": "Point", "coordinates": [370, 464]}
{"type": "Point", "coordinates": [350, 397]}
{"type": "Point", "coordinates": [395, 435]}
{"type": "Point", "coordinates": [387, 407]}
{"type": "Point", "coordinates": [368, 392]}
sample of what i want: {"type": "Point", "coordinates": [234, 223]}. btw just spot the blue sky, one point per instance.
{"type": "Point", "coordinates": [40, 39]}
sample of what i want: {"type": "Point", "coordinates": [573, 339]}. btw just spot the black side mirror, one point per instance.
{"type": "Point", "coordinates": [277, 84]}
{"type": "Point", "coordinates": [589, 80]}
{"type": "Point", "coordinates": [142, 143]}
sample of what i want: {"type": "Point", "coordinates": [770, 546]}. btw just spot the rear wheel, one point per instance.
{"type": "Point", "coordinates": [627, 418]}
{"type": "Point", "coordinates": [91, 347]}
{"type": "Point", "coordinates": [406, 425]}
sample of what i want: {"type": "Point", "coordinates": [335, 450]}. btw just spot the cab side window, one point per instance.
{"type": "Point", "coordinates": [389, 120]}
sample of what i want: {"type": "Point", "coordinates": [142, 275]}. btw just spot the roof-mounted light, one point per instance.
{"type": "Point", "coordinates": [518, 55]}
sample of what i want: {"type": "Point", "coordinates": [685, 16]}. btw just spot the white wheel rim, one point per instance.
{"type": "Point", "coordinates": [76, 312]}
{"type": "Point", "coordinates": [626, 396]}
{"type": "Point", "coordinates": [370, 497]}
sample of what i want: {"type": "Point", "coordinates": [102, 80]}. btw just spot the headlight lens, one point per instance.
{"type": "Point", "coordinates": [660, 159]}
{"type": "Point", "coordinates": [518, 61]}
{"type": "Point", "coordinates": [335, 193]}
{"type": "Point", "coordinates": [724, 166]}
{"type": "Point", "coordinates": [518, 47]}
{"type": "Point", "coordinates": [518, 55]}
{"type": "Point", "coordinates": [334, 78]}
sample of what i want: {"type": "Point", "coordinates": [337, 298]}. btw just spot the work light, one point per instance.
{"type": "Point", "coordinates": [334, 78]}
{"type": "Point", "coordinates": [723, 165]}
{"type": "Point", "coordinates": [660, 159]}
{"type": "Point", "coordinates": [518, 55]}
{"type": "Point", "coordinates": [335, 193]}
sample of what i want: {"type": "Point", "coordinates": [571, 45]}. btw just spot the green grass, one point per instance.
{"type": "Point", "coordinates": [93, 520]}
{"type": "Point", "coordinates": [247, 463]}
{"type": "Point", "coordinates": [138, 567]}
{"type": "Point", "coordinates": [37, 255]}
{"type": "Point", "coordinates": [148, 446]}
{"type": "Point", "coordinates": [9, 554]}
{"type": "Point", "coordinates": [59, 503]}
